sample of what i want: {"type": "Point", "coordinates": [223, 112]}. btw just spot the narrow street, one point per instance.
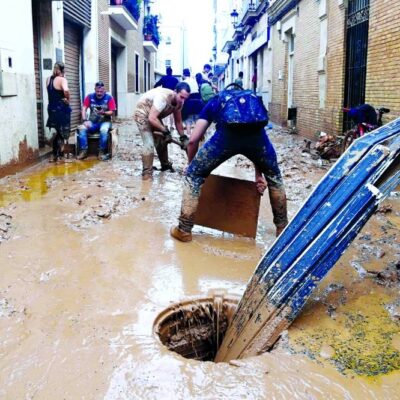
{"type": "Point", "coordinates": [88, 264]}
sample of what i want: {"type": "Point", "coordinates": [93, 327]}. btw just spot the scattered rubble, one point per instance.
{"type": "Point", "coordinates": [5, 226]}
{"type": "Point", "coordinates": [389, 276]}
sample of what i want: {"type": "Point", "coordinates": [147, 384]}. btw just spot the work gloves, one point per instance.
{"type": "Point", "coordinates": [184, 141]}
{"type": "Point", "coordinates": [167, 136]}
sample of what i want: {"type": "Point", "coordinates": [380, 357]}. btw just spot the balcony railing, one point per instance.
{"type": "Point", "coordinates": [125, 13]}
{"type": "Point", "coordinates": [250, 13]}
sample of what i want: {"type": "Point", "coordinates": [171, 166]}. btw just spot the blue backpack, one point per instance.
{"type": "Point", "coordinates": [241, 109]}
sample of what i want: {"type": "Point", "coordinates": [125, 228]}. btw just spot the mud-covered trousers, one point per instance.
{"type": "Point", "coordinates": [149, 143]}
{"type": "Point", "coordinates": [219, 148]}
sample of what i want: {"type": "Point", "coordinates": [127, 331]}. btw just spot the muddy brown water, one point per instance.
{"type": "Point", "coordinates": [87, 266]}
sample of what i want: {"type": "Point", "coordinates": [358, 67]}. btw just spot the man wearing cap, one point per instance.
{"type": "Point", "coordinates": [101, 106]}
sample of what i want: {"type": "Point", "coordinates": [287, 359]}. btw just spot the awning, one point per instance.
{"type": "Point", "coordinates": [259, 41]}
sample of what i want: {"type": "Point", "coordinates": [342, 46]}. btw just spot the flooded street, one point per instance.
{"type": "Point", "coordinates": [88, 264]}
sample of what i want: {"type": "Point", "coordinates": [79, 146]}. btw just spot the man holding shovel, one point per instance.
{"type": "Point", "coordinates": [152, 107]}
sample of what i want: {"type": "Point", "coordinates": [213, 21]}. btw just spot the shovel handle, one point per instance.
{"type": "Point", "coordinates": [157, 133]}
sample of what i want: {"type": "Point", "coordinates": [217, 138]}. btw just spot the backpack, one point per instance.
{"type": "Point", "coordinates": [206, 91]}
{"type": "Point", "coordinates": [241, 109]}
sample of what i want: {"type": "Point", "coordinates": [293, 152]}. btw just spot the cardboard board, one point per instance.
{"type": "Point", "coordinates": [230, 205]}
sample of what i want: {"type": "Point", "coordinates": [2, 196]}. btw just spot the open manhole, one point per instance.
{"type": "Point", "coordinates": [195, 329]}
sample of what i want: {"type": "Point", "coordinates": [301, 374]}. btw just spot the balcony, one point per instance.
{"type": "Point", "coordinates": [250, 15]}
{"type": "Point", "coordinates": [238, 35]}
{"type": "Point", "coordinates": [151, 33]}
{"type": "Point", "coordinates": [253, 11]}
{"type": "Point", "coordinates": [229, 46]}
{"type": "Point", "coordinates": [150, 46]}
{"type": "Point", "coordinates": [125, 13]}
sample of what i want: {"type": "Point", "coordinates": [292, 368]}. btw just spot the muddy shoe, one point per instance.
{"type": "Point", "coordinates": [103, 156]}
{"type": "Point", "coordinates": [82, 155]}
{"type": "Point", "coordinates": [167, 167]}
{"type": "Point", "coordinates": [181, 235]}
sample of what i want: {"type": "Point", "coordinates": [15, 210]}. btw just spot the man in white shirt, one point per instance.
{"type": "Point", "coordinates": [151, 108]}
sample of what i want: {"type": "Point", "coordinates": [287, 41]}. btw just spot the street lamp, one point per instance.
{"type": "Point", "coordinates": [234, 17]}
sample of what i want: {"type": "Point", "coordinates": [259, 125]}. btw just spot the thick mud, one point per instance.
{"type": "Point", "coordinates": [88, 264]}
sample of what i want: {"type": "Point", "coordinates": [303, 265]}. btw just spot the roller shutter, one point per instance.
{"type": "Point", "coordinates": [72, 47]}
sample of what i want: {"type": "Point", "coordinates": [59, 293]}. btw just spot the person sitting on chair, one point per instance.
{"type": "Point", "coordinates": [101, 106]}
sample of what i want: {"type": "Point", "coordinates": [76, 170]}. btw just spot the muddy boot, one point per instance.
{"type": "Point", "coordinates": [277, 198]}
{"type": "Point", "coordinates": [190, 201]}
{"type": "Point", "coordinates": [167, 167]}
{"type": "Point", "coordinates": [162, 152]}
{"type": "Point", "coordinates": [82, 155]}
{"type": "Point", "coordinates": [103, 155]}
{"type": "Point", "coordinates": [147, 162]}
{"type": "Point", "coordinates": [180, 235]}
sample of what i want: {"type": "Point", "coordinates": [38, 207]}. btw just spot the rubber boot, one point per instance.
{"type": "Point", "coordinates": [180, 235]}
{"type": "Point", "coordinates": [183, 231]}
{"type": "Point", "coordinates": [277, 198]}
{"type": "Point", "coordinates": [162, 152]}
{"type": "Point", "coordinates": [147, 162]}
{"type": "Point", "coordinates": [82, 154]}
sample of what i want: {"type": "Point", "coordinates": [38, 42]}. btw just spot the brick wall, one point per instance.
{"type": "Point", "coordinates": [336, 63]}
{"type": "Point", "coordinates": [306, 54]}
{"type": "Point", "coordinates": [104, 44]}
{"type": "Point", "coordinates": [310, 118]}
{"type": "Point", "coordinates": [278, 105]}
{"type": "Point", "coordinates": [383, 76]}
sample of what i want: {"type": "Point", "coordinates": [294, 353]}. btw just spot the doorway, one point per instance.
{"type": "Point", "coordinates": [356, 54]}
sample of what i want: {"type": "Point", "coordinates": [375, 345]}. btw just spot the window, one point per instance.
{"type": "Point", "coordinates": [137, 88]}
{"type": "Point", "coordinates": [167, 63]}
{"type": "Point", "coordinates": [291, 44]}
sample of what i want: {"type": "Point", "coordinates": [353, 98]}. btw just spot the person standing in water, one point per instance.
{"type": "Point", "coordinates": [58, 109]}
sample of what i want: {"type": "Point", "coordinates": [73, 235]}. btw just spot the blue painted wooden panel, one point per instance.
{"type": "Point", "coordinates": [315, 239]}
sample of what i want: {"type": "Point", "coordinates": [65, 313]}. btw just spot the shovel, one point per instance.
{"type": "Point", "coordinates": [172, 140]}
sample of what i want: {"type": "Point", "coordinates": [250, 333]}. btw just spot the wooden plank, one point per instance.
{"type": "Point", "coordinates": [230, 205]}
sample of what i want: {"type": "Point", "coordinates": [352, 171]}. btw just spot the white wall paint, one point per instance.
{"type": "Point", "coordinates": [91, 52]}
{"type": "Point", "coordinates": [18, 113]}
